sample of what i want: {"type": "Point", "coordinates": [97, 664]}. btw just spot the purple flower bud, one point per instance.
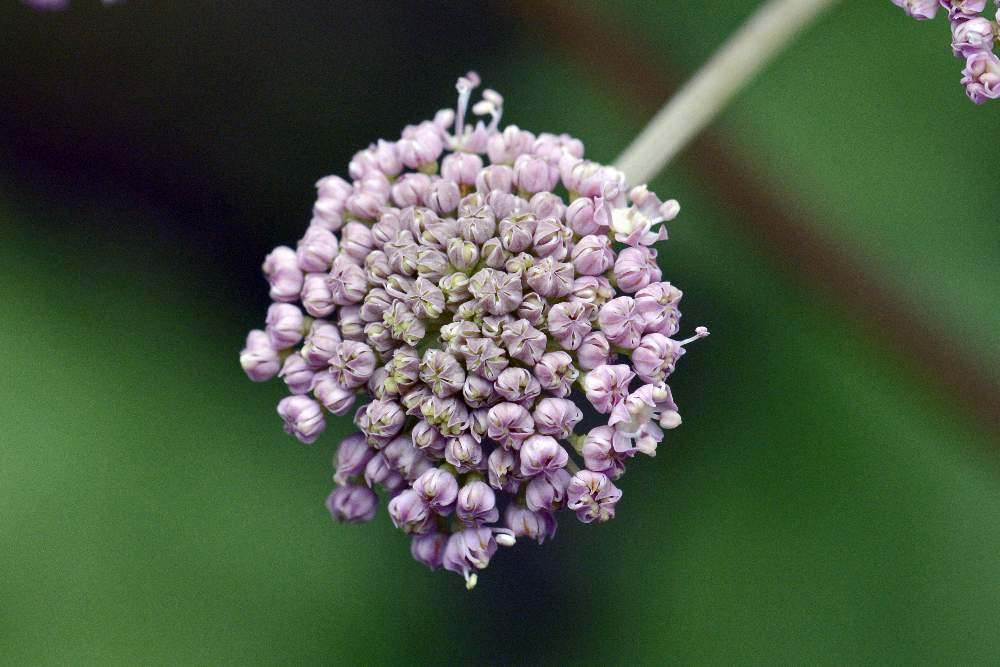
{"type": "Point", "coordinates": [533, 309]}
{"type": "Point", "coordinates": [503, 470]}
{"type": "Point", "coordinates": [635, 268]}
{"type": "Point", "coordinates": [509, 424]}
{"type": "Point", "coordinates": [547, 205]}
{"type": "Point", "coordinates": [379, 337]}
{"type": "Point", "coordinates": [478, 424]}
{"type": "Point", "coordinates": [378, 471]}
{"type": "Point", "coordinates": [547, 492]}
{"type": "Point", "coordinates": [606, 386]}
{"type": "Point", "coordinates": [569, 322]}
{"type": "Point", "coordinates": [556, 417]}
{"type": "Point", "coordinates": [477, 504]}
{"type": "Point", "coordinates": [449, 415]}
{"type": "Point", "coordinates": [403, 325]}
{"type": "Point", "coordinates": [416, 400]}
{"type": "Point", "coordinates": [464, 453]}
{"type": "Point", "coordinates": [334, 397]}
{"type": "Point", "coordinates": [656, 305]}
{"type": "Point", "coordinates": [477, 391]}
{"type": "Point", "coordinates": [410, 513]}
{"type": "Point", "coordinates": [981, 77]}
{"type": "Point", "coordinates": [303, 418]}
{"type": "Point", "coordinates": [479, 225]}
{"type": "Point", "coordinates": [599, 453]}
{"type": "Point", "coordinates": [377, 269]}
{"type": "Point", "coordinates": [317, 299]}
{"type": "Point", "coordinates": [463, 255]}
{"type": "Point", "coordinates": [428, 439]}
{"type": "Point", "coordinates": [258, 358]}
{"type": "Point", "coordinates": [550, 279]}
{"type": "Point", "coordinates": [921, 10]}
{"type": "Point", "coordinates": [411, 189]}
{"type": "Point", "coordinates": [365, 204]}
{"type": "Point", "coordinates": [519, 263]}
{"type": "Point", "coordinates": [533, 174]}
{"type": "Point", "coordinates": [281, 268]}
{"type": "Point", "coordinates": [484, 358]}
{"type": "Point", "coordinates": [439, 490]}
{"type": "Point", "coordinates": [537, 526]}
{"type": "Point", "coordinates": [972, 36]}
{"type": "Point", "coordinates": [582, 217]}
{"type": "Point", "coordinates": [352, 504]}
{"type": "Point", "coordinates": [505, 205]}
{"type": "Point", "coordinates": [376, 302]}
{"type": "Point", "coordinates": [296, 373]}
{"type": "Point", "coordinates": [655, 357]}
{"type": "Point", "coordinates": [404, 458]}
{"type": "Point", "coordinates": [592, 255]}
{"type": "Point", "coordinates": [352, 363]}
{"type": "Point", "coordinates": [516, 232]}
{"type": "Point", "coordinates": [420, 148]}
{"type": "Point", "coordinates": [517, 385]}
{"type": "Point", "coordinates": [469, 549]}
{"type": "Point", "coordinates": [441, 372]}
{"type": "Point", "coordinates": [592, 496]}
{"type": "Point", "coordinates": [461, 168]}
{"type": "Point", "coordinates": [380, 420]}
{"type": "Point", "coordinates": [429, 549]}
{"type": "Point", "coordinates": [594, 351]}
{"type": "Point", "coordinates": [347, 282]}
{"type": "Point", "coordinates": [356, 241]}
{"type": "Point", "coordinates": [285, 325]}
{"type": "Point", "coordinates": [556, 373]}
{"type": "Point", "coordinates": [524, 342]}
{"type": "Point", "coordinates": [506, 147]}
{"type": "Point", "coordinates": [493, 254]}
{"type": "Point", "coordinates": [495, 177]}
{"type": "Point", "coordinates": [317, 249]}
{"type": "Point", "coordinates": [349, 323]}
{"type": "Point", "coordinates": [620, 322]}
{"type": "Point", "coordinates": [551, 238]}
{"type": "Point", "coordinates": [442, 196]}
{"type": "Point", "coordinates": [542, 454]}
{"type": "Point", "coordinates": [352, 457]}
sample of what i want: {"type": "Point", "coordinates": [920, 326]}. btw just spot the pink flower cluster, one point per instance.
{"type": "Point", "coordinates": [484, 293]}
{"type": "Point", "coordinates": [973, 36]}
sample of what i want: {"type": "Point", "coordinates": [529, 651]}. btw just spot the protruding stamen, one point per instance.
{"type": "Point", "coordinates": [464, 86]}
{"type": "Point", "coordinates": [699, 332]}
{"type": "Point", "coordinates": [471, 580]}
{"type": "Point", "coordinates": [504, 537]}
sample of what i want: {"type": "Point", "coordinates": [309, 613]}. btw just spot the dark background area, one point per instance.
{"type": "Point", "coordinates": [832, 497]}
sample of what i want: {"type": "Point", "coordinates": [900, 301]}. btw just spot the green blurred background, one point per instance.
{"type": "Point", "coordinates": [833, 496]}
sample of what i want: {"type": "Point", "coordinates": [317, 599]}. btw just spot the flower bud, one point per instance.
{"type": "Point", "coordinates": [517, 385]}
{"type": "Point", "coordinates": [353, 455]}
{"type": "Point", "coordinates": [495, 177]}
{"type": "Point", "coordinates": [461, 168]}
{"type": "Point", "coordinates": [476, 504]}
{"type": "Point", "coordinates": [542, 454]}
{"type": "Point", "coordinates": [569, 322]}
{"type": "Point", "coordinates": [429, 549]}
{"type": "Point", "coordinates": [606, 386]}
{"type": "Point", "coordinates": [537, 526]}
{"type": "Point", "coordinates": [317, 249]}
{"type": "Point", "coordinates": [592, 255]}
{"type": "Point", "coordinates": [464, 453]}
{"type": "Point", "coordinates": [352, 364]}
{"type": "Point", "coordinates": [259, 358]}
{"type": "Point", "coordinates": [410, 513]}
{"type": "Point", "coordinates": [296, 373]}
{"type": "Point", "coordinates": [317, 299]}
{"type": "Point", "coordinates": [439, 490]}
{"type": "Point", "coordinates": [285, 325]}
{"type": "Point", "coordinates": [281, 268]}
{"type": "Point", "coordinates": [556, 373]}
{"type": "Point", "coordinates": [547, 492]}
{"type": "Point", "coordinates": [352, 504]}
{"type": "Point", "coordinates": [503, 469]}
{"type": "Point", "coordinates": [509, 424]}
{"type": "Point", "coordinates": [594, 351]}
{"type": "Point", "coordinates": [556, 417]}
{"type": "Point", "coordinates": [303, 418]}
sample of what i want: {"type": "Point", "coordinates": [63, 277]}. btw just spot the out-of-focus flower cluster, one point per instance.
{"type": "Point", "coordinates": [972, 38]}
{"type": "Point", "coordinates": [480, 319]}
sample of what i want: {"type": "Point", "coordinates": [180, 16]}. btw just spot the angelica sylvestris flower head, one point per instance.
{"type": "Point", "coordinates": [488, 305]}
{"type": "Point", "coordinates": [973, 35]}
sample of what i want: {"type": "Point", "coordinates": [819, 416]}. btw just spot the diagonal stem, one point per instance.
{"type": "Point", "coordinates": [774, 25]}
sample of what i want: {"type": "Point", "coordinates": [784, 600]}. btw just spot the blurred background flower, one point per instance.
{"type": "Point", "coordinates": [833, 497]}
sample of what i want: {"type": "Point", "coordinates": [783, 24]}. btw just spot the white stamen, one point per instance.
{"type": "Point", "coordinates": [699, 332]}
{"type": "Point", "coordinates": [470, 581]}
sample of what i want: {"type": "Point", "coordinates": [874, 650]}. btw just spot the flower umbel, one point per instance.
{"type": "Point", "coordinates": [482, 293]}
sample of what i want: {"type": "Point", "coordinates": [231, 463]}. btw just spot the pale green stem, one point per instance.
{"type": "Point", "coordinates": [773, 26]}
